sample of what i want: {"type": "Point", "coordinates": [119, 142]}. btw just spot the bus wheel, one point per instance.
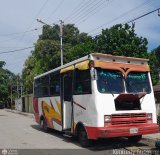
{"type": "Point", "coordinates": [135, 139]}
{"type": "Point", "coordinates": [44, 125]}
{"type": "Point", "coordinates": [82, 137]}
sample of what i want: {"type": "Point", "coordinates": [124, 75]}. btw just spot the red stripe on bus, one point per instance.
{"type": "Point", "coordinates": [79, 105]}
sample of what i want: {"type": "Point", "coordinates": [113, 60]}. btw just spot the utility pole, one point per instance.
{"type": "Point", "coordinates": [11, 96]}
{"type": "Point", "coordinates": [21, 89]}
{"type": "Point", "coordinates": [18, 86]}
{"type": "Point", "coordinates": [61, 39]}
{"type": "Point", "coordinates": [61, 36]}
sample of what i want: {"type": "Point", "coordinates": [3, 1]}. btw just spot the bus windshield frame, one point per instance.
{"type": "Point", "coordinates": [113, 82]}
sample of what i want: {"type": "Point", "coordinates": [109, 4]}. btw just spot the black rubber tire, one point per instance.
{"type": "Point", "coordinates": [44, 125]}
{"type": "Point", "coordinates": [135, 139]}
{"type": "Point", "coordinates": [83, 138]}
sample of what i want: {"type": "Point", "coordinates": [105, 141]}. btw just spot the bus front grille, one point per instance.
{"type": "Point", "coordinates": [128, 118]}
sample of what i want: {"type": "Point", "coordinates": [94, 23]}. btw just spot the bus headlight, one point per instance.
{"type": "Point", "coordinates": [107, 119]}
{"type": "Point", "coordinates": [149, 117]}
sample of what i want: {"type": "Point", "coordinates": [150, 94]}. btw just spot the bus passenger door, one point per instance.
{"type": "Point", "coordinates": [67, 79]}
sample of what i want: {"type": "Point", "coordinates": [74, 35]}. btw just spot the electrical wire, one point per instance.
{"type": "Point", "coordinates": [131, 21]}
{"type": "Point", "coordinates": [40, 10]}
{"type": "Point", "coordinates": [90, 14]}
{"type": "Point", "coordinates": [55, 10]}
{"type": "Point", "coordinates": [81, 8]}
{"type": "Point", "coordinates": [85, 10]}
{"type": "Point", "coordinates": [17, 33]}
{"type": "Point", "coordinates": [22, 49]}
{"type": "Point", "coordinates": [89, 10]}
{"type": "Point", "coordinates": [142, 16]}
{"type": "Point", "coordinates": [82, 2]}
{"type": "Point", "coordinates": [122, 15]}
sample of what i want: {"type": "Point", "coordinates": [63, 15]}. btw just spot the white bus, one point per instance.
{"type": "Point", "coordinates": [97, 96]}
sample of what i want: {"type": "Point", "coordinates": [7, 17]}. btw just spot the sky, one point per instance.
{"type": "Point", "coordinates": [18, 22]}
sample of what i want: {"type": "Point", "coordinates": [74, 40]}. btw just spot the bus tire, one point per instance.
{"type": "Point", "coordinates": [135, 139]}
{"type": "Point", "coordinates": [83, 138]}
{"type": "Point", "coordinates": [43, 125]}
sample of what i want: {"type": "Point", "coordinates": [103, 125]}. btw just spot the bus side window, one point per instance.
{"type": "Point", "coordinates": [37, 91]}
{"type": "Point", "coordinates": [82, 82]}
{"type": "Point", "coordinates": [54, 84]}
{"type": "Point", "coordinates": [45, 85]}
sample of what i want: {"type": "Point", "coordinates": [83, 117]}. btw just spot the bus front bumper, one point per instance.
{"type": "Point", "coordinates": [121, 131]}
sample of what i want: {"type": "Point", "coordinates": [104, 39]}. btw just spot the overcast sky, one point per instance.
{"type": "Point", "coordinates": [89, 16]}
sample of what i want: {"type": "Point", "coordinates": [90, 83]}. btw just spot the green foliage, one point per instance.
{"type": "Point", "coordinates": [117, 40]}
{"type": "Point", "coordinates": [2, 63]}
{"type": "Point", "coordinates": [155, 64]}
{"type": "Point", "coordinates": [5, 83]}
{"type": "Point", "coordinates": [46, 55]}
{"type": "Point", "coordinates": [121, 40]}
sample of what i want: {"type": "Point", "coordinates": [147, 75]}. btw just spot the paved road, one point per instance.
{"type": "Point", "coordinates": [18, 131]}
{"type": "Point", "coordinates": [21, 132]}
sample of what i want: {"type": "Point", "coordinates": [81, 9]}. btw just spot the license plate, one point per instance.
{"type": "Point", "coordinates": [133, 130]}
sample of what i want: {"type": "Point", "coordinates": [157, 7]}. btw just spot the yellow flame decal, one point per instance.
{"type": "Point", "coordinates": [50, 113]}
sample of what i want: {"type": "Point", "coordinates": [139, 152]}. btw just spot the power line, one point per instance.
{"type": "Point", "coordinates": [83, 7]}
{"type": "Point", "coordinates": [17, 33]}
{"type": "Point", "coordinates": [122, 15]}
{"type": "Point", "coordinates": [22, 49]}
{"type": "Point", "coordinates": [86, 9]}
{"type": "Point", "coordinates": [20, 33]}
{"type": "Point", "coordinates": [94, 12]}
{"type": "Point", "coordinates": [89, 10]}
{"type": "Point", "coordinates": [40, 10]}
{"type": "Point", "coordinates": [55, 10]}
{"type": "Point", "coordinates": [143, 15]}
{"type": "Point", "coordinates": [75, 10]}
{"type": "Point", "coordinates": [137, 18]}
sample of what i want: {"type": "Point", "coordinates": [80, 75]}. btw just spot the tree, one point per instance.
{"type": "Point", "coordinates": [121, 40]}
{"type": "Point", "coordinates": [28, 74]}
{"type": "Point", "coordinates": [117, 40]}
{"type": "Point", "coordinates": [6, 77]}
{"type": "Point", "coordinates": [46, 55]}
{"type": "Point", "coordinates": [155, 64]}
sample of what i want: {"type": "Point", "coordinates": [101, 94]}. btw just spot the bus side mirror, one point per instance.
{"type": "Point", "coordinates": [93, 74]}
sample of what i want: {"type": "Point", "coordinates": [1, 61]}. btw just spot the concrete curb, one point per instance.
{"type": "Point", "coordinates": [21, 113]}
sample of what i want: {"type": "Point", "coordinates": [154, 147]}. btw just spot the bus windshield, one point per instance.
{"type": "Point", "coordinates": [137, 82]}
{"type": "Point", "coordinates": [110, 81]}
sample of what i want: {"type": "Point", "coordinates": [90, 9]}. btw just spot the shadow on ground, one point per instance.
{"type": "Point", "coordinates": [101, 144]}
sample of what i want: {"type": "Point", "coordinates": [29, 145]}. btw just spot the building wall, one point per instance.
{"type": "Point", "coordinates": [24, 104]}
{"type": "Point", "coordinates": [18, 104]}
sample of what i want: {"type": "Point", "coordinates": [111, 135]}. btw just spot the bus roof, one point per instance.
{"type": "Point", "coordinates": [119, 57]}
{"type": "Point", "coordinates": [100, 56]}
{"type": "Point", "coordinates": [64, 66]}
